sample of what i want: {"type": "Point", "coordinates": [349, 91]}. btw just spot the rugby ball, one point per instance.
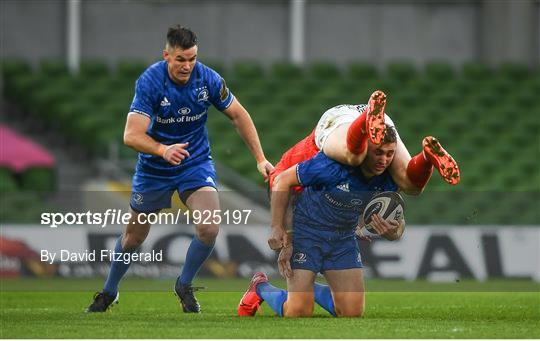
{"type": "Point", "coordinates": [389, 205]}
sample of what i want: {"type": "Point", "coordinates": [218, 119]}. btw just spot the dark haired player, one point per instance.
{"type": "Point", "coordinates": [166, 125]}
{"type": "Point", "coordinates": [326, 215]}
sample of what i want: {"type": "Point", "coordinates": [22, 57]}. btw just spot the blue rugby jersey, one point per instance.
{"type": "Point", "coordinates": [178, 112]}
{"type": "Point", "coordinates": [334, 194]}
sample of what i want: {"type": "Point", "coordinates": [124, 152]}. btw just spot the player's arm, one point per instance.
{"type": "Point", "coordinates": [279, 202]}
{"type": "Point", "coordinates": [135, 136]}
{"type": "Point", "coordinates": [246, 129]}
{"type": "Point", "coordinates": [398, 170]}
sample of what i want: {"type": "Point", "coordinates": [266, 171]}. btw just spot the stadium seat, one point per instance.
{"type": "Point", "coordinates": [38, 179]}
{"type": "Point", "coordinates": [324, 70]}
{"type": "Point", "coordinates": [248, 69]}
{"type": "Point", "coordinates": [46, 102]}
{"type": "Point", "coordinates": [12, 68]}
{"type": "Point", "coordinates": [406, 98]}
{"type": "Point", "coordinates": [285, 70]}
{"type": "Point", "coordinates": [476, 71]}
{"type": "Point", "coordinates": [131, 68]}
{"type": "Point", "coordinates": [22, 85]}
{"type": "Point", "coordinates": [286, 103]}
{"type": "Point", "coordinates": [447, 99]}
{"type": "Point", "coordinates": [94, 68]}
{"type": "Point", "coordinates": [514, 71]}
{"type": "Point", "coordinates": [7, 181]}
{"type": "Point", "coordinates": [401, 70]}
{"type": "Point", "coordinates": [362, 70]}
{"type": "Point", "coordinates": [53, 67]}
{"type": "Point", "coordinates": [439, 71]}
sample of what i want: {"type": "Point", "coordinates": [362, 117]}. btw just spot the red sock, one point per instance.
{"type": "Point", "coordinates": [419, 170]}
{"type": "Point", "coordinates": [357, 136]}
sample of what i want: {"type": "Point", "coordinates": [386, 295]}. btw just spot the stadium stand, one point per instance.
{"type": "Point", "coordinates": [27, 173]}
{"type": "Point", "coordinates": [487, 117]}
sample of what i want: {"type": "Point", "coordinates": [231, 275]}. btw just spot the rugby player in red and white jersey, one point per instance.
{"type": "Point", "coordinates": [342, 133]}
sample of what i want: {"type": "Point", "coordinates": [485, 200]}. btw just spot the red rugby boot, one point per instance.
{"type": "Point", "coordinates": [250, 302]}
{"type": "Point", "coordinates": [375, 117]}
{"type": "Point", "coordinates": [444, 162]}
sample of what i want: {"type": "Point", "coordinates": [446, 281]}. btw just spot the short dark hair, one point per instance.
{"type": "Point", "coordinates": [390, 135]}
{"type": "Point", "coordinates": [182, 37]}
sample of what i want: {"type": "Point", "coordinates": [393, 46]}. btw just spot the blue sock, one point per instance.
{"type": "Point", "coordinates": [116, 272]}
{"type": "Point", "coordinates": [275, 297]}
{"type": "Point", "coordinates": [323, 297]}
{"type": "Point", "coordinates": [197, 253]}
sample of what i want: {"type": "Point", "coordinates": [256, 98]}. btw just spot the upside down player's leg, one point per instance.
{"type": "Point", "coordinates": [336, 148]}
{"type": "Point", "coordinates": [413, 174]}
{"type": "Point", "coordinates": [398, 170]}
{"type": "Point", "coordinates": [441, 159]}
{"type": "Point", "coordinates": [370, 124]}
{"type": "Point", "coordinates": [342, 133]}
{"type": "Point", "coordinates": [329, 132]}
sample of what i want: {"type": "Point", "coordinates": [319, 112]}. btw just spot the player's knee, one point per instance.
{"type": "Point", "coordinates": [354, 159]}
{"type": "Point", "coordinates": [132, 241]}
{"type": "Point", "coordinates": [304, 309]}
{"type": "Point", "coordinates": [207, 233]}
{"type": "Point", "coordinates": [351, 307]}
{"type": "Point", "coordinates": [350, 311]}
{"type": "Point", "coordinates": [276, 180]}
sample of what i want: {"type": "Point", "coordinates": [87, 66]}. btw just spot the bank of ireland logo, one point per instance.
{"type": "Point", "coordinates": [202, 96]}
{"type": "Point", "coordinates": [138, 198]}
{"type": "Point", "coordinates": [299, 257]}
{"type": "Point", "coordinates": [184, 111]}
{"type": "Point", "coordinates": [356, 202]}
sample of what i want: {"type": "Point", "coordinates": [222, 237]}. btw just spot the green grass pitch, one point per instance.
{"type": "Point", "coordinates": [148, 309]}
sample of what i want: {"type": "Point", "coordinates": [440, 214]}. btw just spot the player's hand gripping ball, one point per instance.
{"type": "Point", "coordinates": [389, 205]}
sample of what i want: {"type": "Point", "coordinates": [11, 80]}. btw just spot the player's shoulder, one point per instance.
{"type": "Point", "coordinates": [328, 165]}
{"type": "Point", "coordinates": [206, 71]}
{"type": "Point", "coordinates": [155, 73]}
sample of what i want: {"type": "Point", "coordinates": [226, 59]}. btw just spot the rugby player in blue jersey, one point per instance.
{"type": "Point", "coordinates": [166, 125]}
{"type": "Point", "coordinates": [325, 218]}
